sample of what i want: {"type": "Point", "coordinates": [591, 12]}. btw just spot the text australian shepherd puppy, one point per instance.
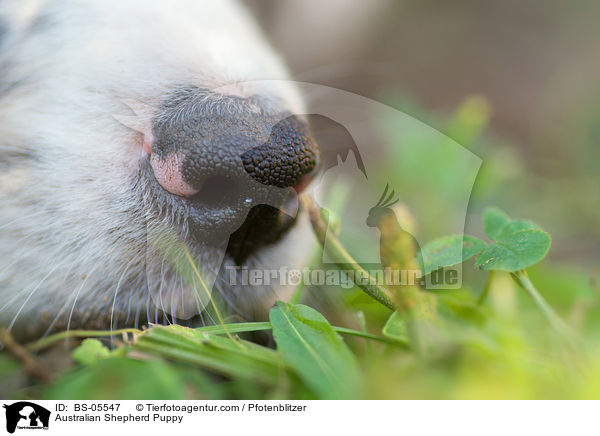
{"type": "Point", "coordinates": [144, 146]}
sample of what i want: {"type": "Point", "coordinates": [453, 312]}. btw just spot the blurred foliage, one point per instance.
{"type": "Point", "coordinates": [489, 338]}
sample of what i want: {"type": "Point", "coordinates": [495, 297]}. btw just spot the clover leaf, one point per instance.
{"type": "Point", "coordinates": [449, 251]}
{"type": "Point", "coordinates": [517, 244]}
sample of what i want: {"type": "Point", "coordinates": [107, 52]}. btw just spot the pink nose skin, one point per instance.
{"type": "Point", "coordinates": [167, 172]}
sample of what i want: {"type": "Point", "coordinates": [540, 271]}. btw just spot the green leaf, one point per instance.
{"type": "Point", "coordinates": [316, 351]}
{"type": "Point", "coordinates": [240, 327]}
{"type": "Point", "coordinates": [515, 248]}
{"type": "Point", "coordinates": [512, 227]}
{"type": "Point", "coordinates": [119, 378]}
{"type": "Point", "coordinates": [8, 365]}
{"type": "Point", "coordinates": [395, 328]}
{"type": "Point", "coordinates": [448, 251]}
{"type": "Point", "coordinates": [12, 376]}
{"type": "Point", "coordinates": [235, 358]}
{"type": "Point", "coordinates": [90, 352]}
{"type": "Point", "coordinates": [518, 244]}
{"type": "Point", "coordinates": [493, 221]}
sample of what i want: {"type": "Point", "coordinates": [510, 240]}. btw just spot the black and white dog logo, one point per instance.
{"type": "Point", "coordinates": [26, 415]}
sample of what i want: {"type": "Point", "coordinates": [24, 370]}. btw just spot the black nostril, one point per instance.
{"type": "Point", "coordinates": [289, 154]}
{"type": "Point", "coordinates": [218, 191]}
{"type": "Point", "coordinates": [219, 158]}
{"type": "Point", "coordinates": [223, 154]}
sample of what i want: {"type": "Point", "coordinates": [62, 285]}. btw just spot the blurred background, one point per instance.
{"type": "Point", "coordinates": [526, 72]}
{"type": "Point", "coordinates": [517, 84]}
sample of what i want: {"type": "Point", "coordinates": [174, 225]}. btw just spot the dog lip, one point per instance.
{"type": "Point", "coordinates": [264, 225]}
{"type": "Point", "coordinates": [201, 222]}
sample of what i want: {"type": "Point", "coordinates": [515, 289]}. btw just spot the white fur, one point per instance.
{"type": "Point", "coordinates": [70, 232]}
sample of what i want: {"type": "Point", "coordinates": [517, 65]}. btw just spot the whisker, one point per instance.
{"type": "Point", "coordinates": [15, 297]}
{"type": "Point", "coordinates": [157, 308]}
{"type": "Point", "coordinates": [112, 310]}
{"type": "Point", "coordinates": [73, 294]}
{"type": "Point", "coordinates": [136, 321]}
{"type": "Point", "coordinates": [31, 294]}
{"type": "Point", "coordinates": [20, 241]}
{"type": "Point", "coordinates": [148, 312]}
{"type": "Point", "coordinates": [23, 218]}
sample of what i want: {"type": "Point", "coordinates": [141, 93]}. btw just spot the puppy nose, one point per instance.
{"type": "Point", "coordinates": [228, 152]}
{"type": "Point", "coordinates": [285, 158]}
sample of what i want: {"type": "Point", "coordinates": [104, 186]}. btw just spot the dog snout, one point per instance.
{"type": "Point", "coordinates": [229, 151]}
{"type": "Point", "coordinates": [289, 155]}
{"type": "Point", "coordinates": [215, 158]}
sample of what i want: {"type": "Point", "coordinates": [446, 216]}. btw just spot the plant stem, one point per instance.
{"type": "Point", "coordinates": [486, 290]}
{"type": "Point", "coordinates": [214, 329]}
{"type": "Point", "coordinates": [192, 262]}
{"type": "Point", "coordinates": [342, 258]}
{"type": "Point", "coordinates": [236, 327]}
{"type": "Point", "coordinates": [30, 364]}
{"type": "Point", "coordinates": [555, 321]}
{"type": "Point", "coordinates": [45, 342]}
{"type": "Point", "coordinates": [257, 326]}
{"type": "Point", "coordinates": [364, 335]}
